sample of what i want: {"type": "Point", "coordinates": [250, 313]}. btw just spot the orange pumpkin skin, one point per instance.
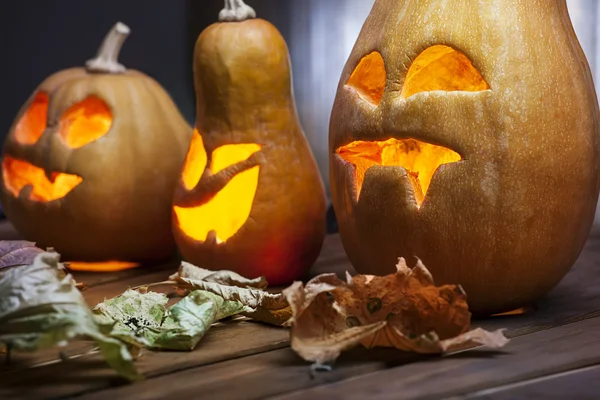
{"type": "Point", "coordinates": [121, 208]}
{"type": "Point", "coordinates": [510, 218]}
{"type": "Point", "coordinates": [244, 98]}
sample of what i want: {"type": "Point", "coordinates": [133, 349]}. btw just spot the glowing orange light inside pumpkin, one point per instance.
{"type": "Point", "coordinates": [32, 124]}
{"type": "Point", "coordinates": [107, 266]}
{"type": "Point", "coordinates": [85, 122]}
{"type": "Point", "coordinates": [229, 209]}
{"type": "Point", "coordinates": [19, 174]}
{"type": "Point", "coordinates": [419, 159]}
{"type": "Point", "coordinates": [441, 67]}
{"type": "Point", "coordinates": [518, 311]}
{"type": "Point", "coordinates": [368, 78]}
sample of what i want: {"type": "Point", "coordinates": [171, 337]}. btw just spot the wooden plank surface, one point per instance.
{"type": "Point", "coordinates": [90, 373]}
{"type": "Point", "coordinates": [383, 374]}
{"type": "Point", "coordinates": [102, 286]}
{"type": "Point", "coordinates": [285, 367]}
{"type": "Point", "coordinates": [531, 356]}
{"type": "Point", "coordinates": [254, 352]}
{"type": "Point", "coordinates": [582, 384]}
{"type": "Point", "coordinates": [223, 342]}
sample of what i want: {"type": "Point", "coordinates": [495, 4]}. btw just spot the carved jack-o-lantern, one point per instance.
{"type": "Point", "coordinates": [250, 198]}
{"type": "Point", "coordinates": [466, 134]}
{"type": "Point", "coordinates": [91, 163]}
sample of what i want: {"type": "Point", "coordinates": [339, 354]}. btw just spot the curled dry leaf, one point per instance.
{"type": "Point", "coordinates": [229, 278]}
{"type": "Point", "coordinates": [17, 252]}
{"type": "Point", "coordinates": [404, 310]}
{"type": "Point", "coordinates": [258, 304]}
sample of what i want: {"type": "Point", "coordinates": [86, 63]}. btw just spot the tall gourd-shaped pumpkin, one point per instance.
{"type": "Point", "coordinates": [91, 162]}
{"type": "Point", "coordinates": [466, 134]}
{"type": "Point", "coordinates": [251, 198]}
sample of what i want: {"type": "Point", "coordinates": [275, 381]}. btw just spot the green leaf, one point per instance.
{"type": "Point", "coordinates": [143, 319]}
{"type": "Point", "coordinates": [40, 307]}
{"type": "Point", "coordinates": [132, 313]}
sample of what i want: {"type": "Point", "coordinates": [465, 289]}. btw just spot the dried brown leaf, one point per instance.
{"type": "Point", "coordinates": [229, 278]}
{"type": "Point", "coordinates": [258, 304]}
{"type": "Point", "coordinates": [404, 310]}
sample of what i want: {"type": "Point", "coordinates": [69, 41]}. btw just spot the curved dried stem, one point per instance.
{"type": "Point", "coordinates": [106, 61]}
{"type": "Point", "coordinates": [236, 11]}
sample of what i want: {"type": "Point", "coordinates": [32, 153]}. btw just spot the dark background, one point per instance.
{"type": "Point", "coordinates": [40, 37]}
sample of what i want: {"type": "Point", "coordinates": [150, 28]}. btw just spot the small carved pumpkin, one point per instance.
{"type": "Point", "coordinates": [251, 198]}
{"type": "Point", "coordinates": [470, 141]}
{"type": "Point", "coordinates": [91, 162]}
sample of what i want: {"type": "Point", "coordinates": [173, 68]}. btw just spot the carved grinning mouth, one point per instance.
{"type": "Point", "coordinates": [19, 175]}
{"type": "Point", "coordinates": [419, 159]}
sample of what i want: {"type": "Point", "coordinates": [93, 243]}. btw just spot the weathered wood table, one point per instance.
{"type": "Point", "coordinates": [554, 353]}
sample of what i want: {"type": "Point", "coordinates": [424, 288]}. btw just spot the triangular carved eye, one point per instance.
{"type": "Point", "coordinates": [32, 124]}
{"type": "Point", "coordinates": [441, 67]}
{"type": "Point", "coordinates": [195, 162]}
{"type": "Point", "coordinates": [85, 122]}
{"type": "Point", "coordinates": [368, 78]}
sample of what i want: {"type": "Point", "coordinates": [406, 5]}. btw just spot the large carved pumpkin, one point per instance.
{"type": "Point", "coordinates": [251, 198]}
{"type": "Point", "coordinates": [91, 162]}
{"type": "Point", "coordinates": [466, 134]}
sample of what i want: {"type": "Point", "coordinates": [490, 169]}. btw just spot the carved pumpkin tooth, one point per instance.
{"type": "Point", "coordinates": [420, 160]}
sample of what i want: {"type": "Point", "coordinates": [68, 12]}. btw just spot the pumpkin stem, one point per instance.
{"type": "Point", "coordinates": [106, 60]}
{"type": "Point", "coordinates": [237, 11]}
